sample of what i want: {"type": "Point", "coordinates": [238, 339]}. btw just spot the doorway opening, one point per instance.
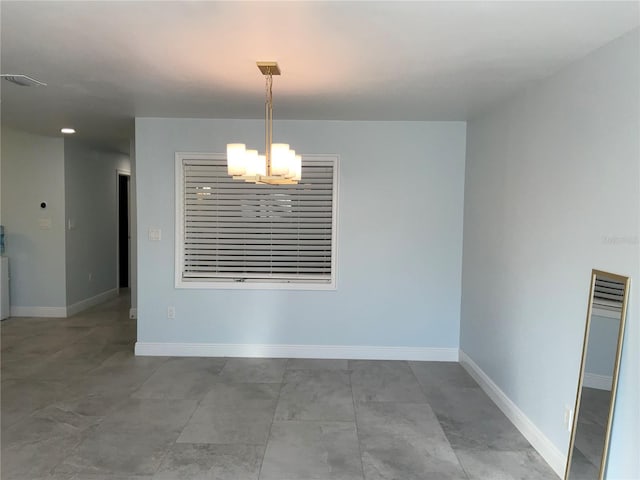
{"type": "Point", "coordinates": [124, 231]}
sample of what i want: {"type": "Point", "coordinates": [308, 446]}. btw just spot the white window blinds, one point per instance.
{"type": "Point", "coordinates": [243, 232]}
{"type": "Point", "coordinates": [608, 296]}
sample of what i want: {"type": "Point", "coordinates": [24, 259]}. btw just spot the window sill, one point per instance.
{"type": "Point", "coordinates": [254, 285]}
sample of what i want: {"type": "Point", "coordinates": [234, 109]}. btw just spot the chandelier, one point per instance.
{"type": "Point", "coordinates": [279, 165]}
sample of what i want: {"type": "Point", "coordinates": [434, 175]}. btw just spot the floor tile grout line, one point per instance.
{"type": "Point", "coordinates": [175, 442]}
{"type": "Point", "coordinates": [164, 455]}
{"type": "Point", "coordinates": [453, 449]}
{"type": "Point", "coordinates": [355, 423]}
{"type": "Point", "coordinates": [464, 470]}
{"type": "Point", "coordinates": [424, 393]}
{"type": "Point", "coordinates": [295, 420]}
{"type": "Point", "coordinates": [82, 437]}
{"type": "Point", "coordinates": [273, 418]}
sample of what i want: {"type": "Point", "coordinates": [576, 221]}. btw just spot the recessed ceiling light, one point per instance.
{"type": "Point", "coordinates": [67, 131]}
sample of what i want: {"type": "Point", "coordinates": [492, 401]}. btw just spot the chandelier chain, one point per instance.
{"type": "Point", "coordinates": [269, 88]}
{"type": "Point", "coordinates": [268, 120]}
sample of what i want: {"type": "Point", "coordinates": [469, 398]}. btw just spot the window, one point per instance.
{"type": "Point", "coordinates": [608, 297]}
{"type": "Point", "coordinates": [232, 234]}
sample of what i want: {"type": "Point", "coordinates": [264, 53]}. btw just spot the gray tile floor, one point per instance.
{"type": "Point", "coordinates": [590, 433]}
{"type": "Point", "coordinates": [76, 404]}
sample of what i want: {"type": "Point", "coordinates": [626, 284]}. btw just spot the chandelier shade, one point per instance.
{"type": "Point", "coordinates": [236, 164]}
{"type": "Point", "coordinates": [279, 165]}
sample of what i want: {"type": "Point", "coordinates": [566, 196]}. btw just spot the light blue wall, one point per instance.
{"type": "Point", "coordinates": [399, 238]}
{"type": "Point", "coordinates": [603, 342]}
{"type": "Point", "coordinates": [552, 191]}
{"type": "Point", "coordinates": [33, 172]}
{"type": "Point", "coordinates": [91, 206]}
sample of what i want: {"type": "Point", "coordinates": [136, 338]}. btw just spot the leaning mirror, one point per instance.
{"type": "Point", "coordinates": [595, 399]}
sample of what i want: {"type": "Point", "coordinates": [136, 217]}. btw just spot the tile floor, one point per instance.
{"type": "Point", "coordinates": [76, 404]}
{"type": "Point", "coordinates": [590, 434]}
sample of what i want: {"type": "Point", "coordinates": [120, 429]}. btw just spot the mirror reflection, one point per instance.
{"type": "Point", "coordinates": [595, 398]}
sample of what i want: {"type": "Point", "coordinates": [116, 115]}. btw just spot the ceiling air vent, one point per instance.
{"type": "Point", "coordinates": [23, 80]}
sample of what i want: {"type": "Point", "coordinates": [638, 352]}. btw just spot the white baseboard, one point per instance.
{"type": "Point", "coordinates": [352, 352]}
{"type": "Point", "coordinates": [554, 457]}
{"type": "Point", "coordinates": [601, 382]}
{"type": "Point", "coordinates": [91, 301]}
{"type": "Point", "coordinates": [133, 313]}
{"type": "Point", "coordinates": [53, 312]}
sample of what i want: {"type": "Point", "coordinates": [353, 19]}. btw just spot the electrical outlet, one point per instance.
{"type": "Point", "coordinates": [568, 417]}
{"type": "Point", "coordinates": [90, 276]}
{"type": "Point", "coordinates": [171, 312]}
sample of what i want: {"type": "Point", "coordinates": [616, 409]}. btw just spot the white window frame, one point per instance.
{"type": "Point", "coordinates": [254, 284]}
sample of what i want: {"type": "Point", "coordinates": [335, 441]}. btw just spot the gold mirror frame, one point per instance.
{"type": "Point", "coordinates": [616, 369]}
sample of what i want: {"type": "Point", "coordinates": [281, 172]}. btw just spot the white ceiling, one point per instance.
{"type": "Point", "coordinates": [107, 62]}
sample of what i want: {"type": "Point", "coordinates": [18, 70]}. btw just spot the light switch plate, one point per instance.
{"type": "Point", "coordinates": [155, 234]}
